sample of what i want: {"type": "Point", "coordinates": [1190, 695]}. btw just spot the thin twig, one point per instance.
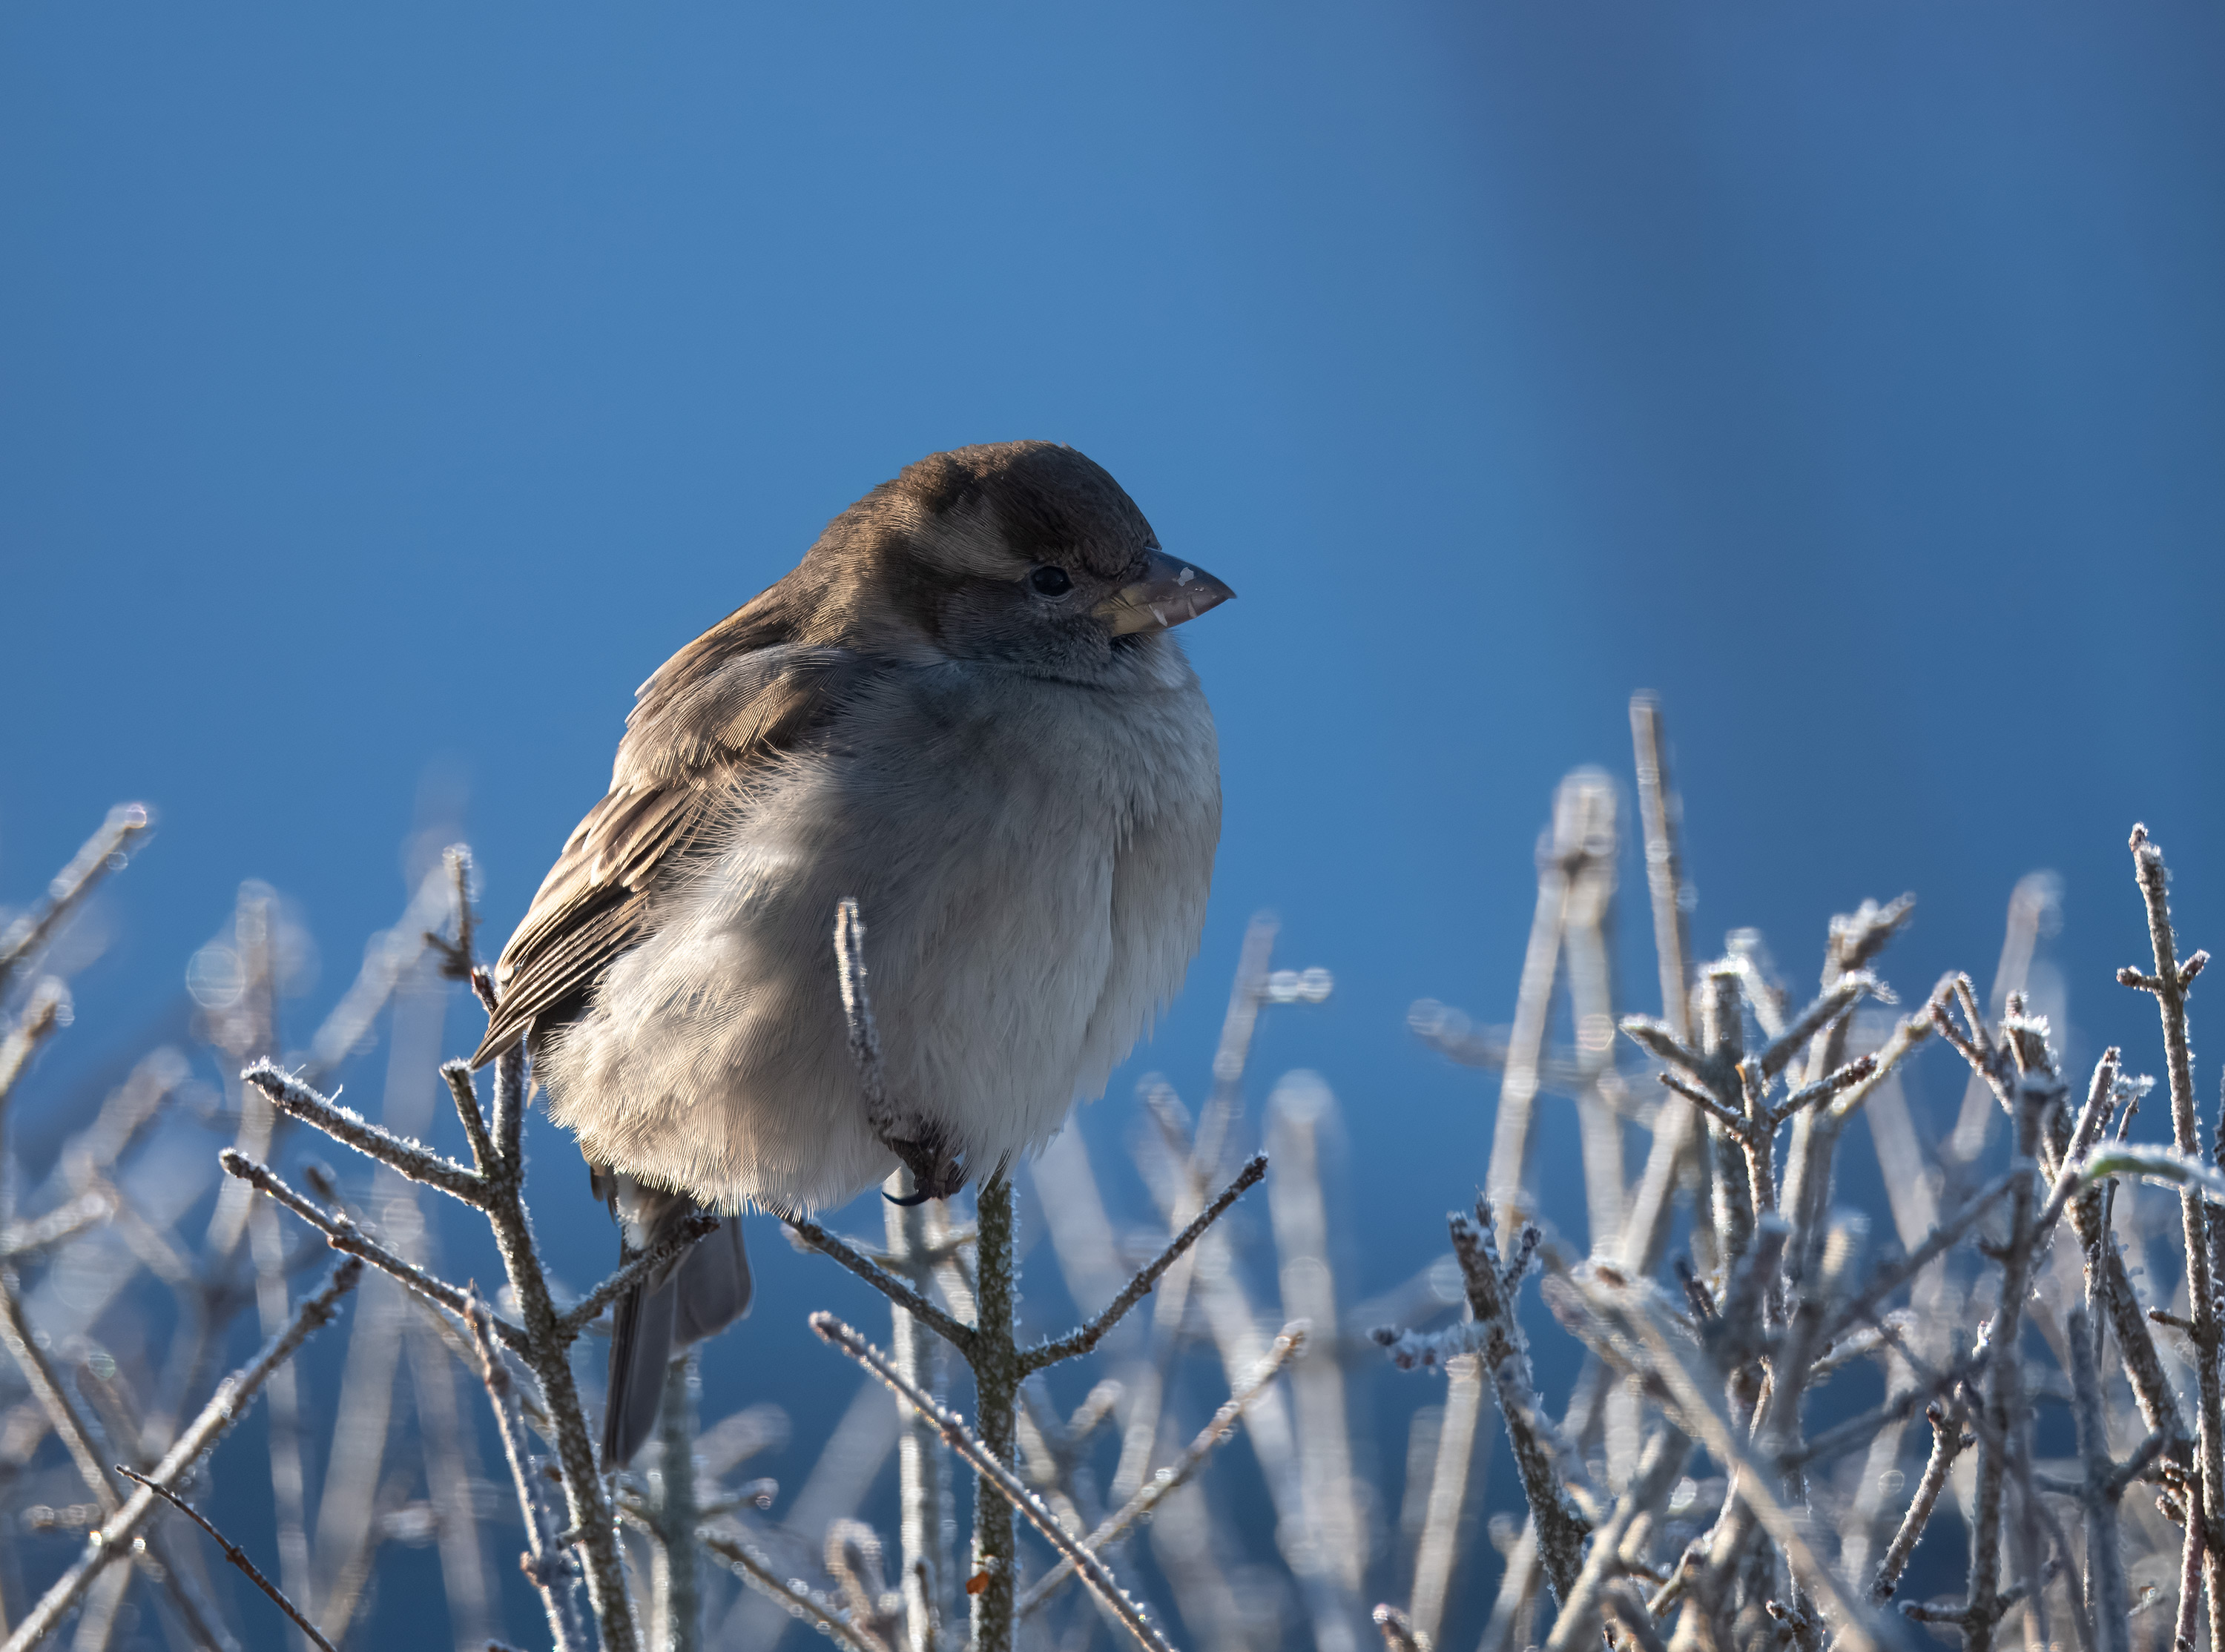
{"type": "Point", "coordinates": [1397, 1631]}
{"type": "Point", "coordinates": [692, 1230]}
{"type": "Point", "coordinates": [412, 1159]}
{"type": "Point", "coordinates": [1648, 1211]}
{"type": "Point", "coordinates": [1082, 1339]}
{"type": "Point", "coordinates": [344, 1235]}
{"type": "Point", "coordinates": [24, 938]}
{"type": "Point", "coordinates": [234, 1553]}
{"type": "Point", "coordinates": [1657, 1471]}
{"type": "Point", "coordinates": [1948, 1442]}
{"type": "Point", "coordinates": [1941, 1239]}
{"type": "Point", "coordinates": [39, 1374]}
{"type": "Point", "coordinates": [58, 1226]}
{"type": "Point", "coordinates": [43, 1018]}
{"type": "Point", "coordinates": [1177, 1473]}
{"type": "Point", "coordinates": [1560, 1526]}
{"type": "Point", "coordinates": [830, 1618]}
{"type": "Point", "coordinates": [1836, 1001]}
{"type": "Point", "coordinates": [1856, 1430]}
{"type": "Point", "coordinates": [2169, 985]}
{"type": "Point", "coordinates": [956, 1334]}
{"type": "Point", "coordinates": [115, 1536]}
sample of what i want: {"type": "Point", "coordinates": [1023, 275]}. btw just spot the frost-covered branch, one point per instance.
{"type": "Point", "coordinates": [113, 1538]}
{"type": "Point", "coordinates": [1177, 1474]}
{"type": "Point", "coordinates": [995, 1476]}
{"type": "Point", "coordinates": [236, 1555]}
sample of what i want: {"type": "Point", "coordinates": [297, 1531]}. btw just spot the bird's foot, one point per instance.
{"type": "Point", "coordinates": [935, 1171]}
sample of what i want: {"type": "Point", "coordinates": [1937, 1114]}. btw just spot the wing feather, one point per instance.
{"type": "Point", "coordinates": [703, 728]}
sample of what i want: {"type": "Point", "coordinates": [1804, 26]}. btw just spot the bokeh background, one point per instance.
{"type": "Point", "coordinates": [383, 395]}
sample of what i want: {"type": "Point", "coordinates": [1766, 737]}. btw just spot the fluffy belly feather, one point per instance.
{"type": "Point", "coordinates": [1032, 890]}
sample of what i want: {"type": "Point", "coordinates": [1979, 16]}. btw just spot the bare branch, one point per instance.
{"type": "Point", "coordinates": [1560, 1527]}
{"type": "Point", "coordinates": [1907, 1035]}
{"type": "Point", "coordinates": [1658, 1039]}
{"type": "Point", "coordinates": [343, 1124]}
{"type": "Point", "coordinates": [2169, 985]}
{"type": "Point", "coordinates": [994, 1474]}
{"type": "Point", "coordinates": [485, 1155]}
{"type": "Point", "coordinates": [102, 852]}
{"type": "Point", "coordinates": [459, 958]}
{"type": "Point", "coordinates": [1838, 1000]}
{"type": "Point", "coordinates": [1729, 1118]}
{"type": "Point", "coordinates": [46, 1387]}
{"type": "Point", "coordinates": [1825, 1088]}
{"type": "Point", "coordinates": [344, 1235]}
{"type": "Point", "coordinates": [115, 1537]}
{"type": "Point", "coordinates": [691, 1232]}
{"type": "Point", "coordinates": [1943, 1238]}
{"type": "Point", "coordinates": [1397, 1631]}
{"type": "Point", "coordinates": [42, 1016]}
{"type": "Point", "coordinates": [1666, 1453]}
{"type": "Point", "coordinates": [1177, 1473]}
{"type": "Point", "coordinates": [1663, 877]}
{"type": "Point", "coordinates": [1661, 1351]}
{"type": "Point", "coordinates": [958, 1335]}
{"type": "Point", "coordinates": [59, 1224]}
{"type": "Point", "coordinates": [829, 1618]}
{"type": "Point", "coordinates": [1084, 1337]}
{"type": "Point", "coordinates": [236, 1555]}
{"type": "Point", "coordinates": [1845, 1436]}
{"type": "Point", "coordinates": [548, 1567]}
{"type": "Point", "coordinates": [1632, 1614]}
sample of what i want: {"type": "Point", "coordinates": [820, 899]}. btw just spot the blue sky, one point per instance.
{"type": "Point", "coordinates": [386, 394]}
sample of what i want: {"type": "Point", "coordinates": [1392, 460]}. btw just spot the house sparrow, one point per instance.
{"type": "Point", "coordinates": [963, 709]}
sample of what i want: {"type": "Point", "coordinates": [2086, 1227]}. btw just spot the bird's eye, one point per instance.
{"type": "Point", "coordinates": [1050, 582]}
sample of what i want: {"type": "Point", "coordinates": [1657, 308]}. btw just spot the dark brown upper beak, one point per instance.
{"type": "Point", "coordinates": [1169, 593]}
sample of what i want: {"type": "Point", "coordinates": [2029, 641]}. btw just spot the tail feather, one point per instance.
{"type": "Point", "coordinates": [705, 1290]}
{"type": "Point", "coordinates": [715, 1285]}
{"type": "Point", "coordinates": [641, 1349]}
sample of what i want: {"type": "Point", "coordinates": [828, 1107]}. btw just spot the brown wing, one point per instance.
{"type": "Point", "coordinates": [701, 725]}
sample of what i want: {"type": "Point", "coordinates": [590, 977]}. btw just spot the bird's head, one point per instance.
{"type": "Point", "coordinates": [1025, 553]}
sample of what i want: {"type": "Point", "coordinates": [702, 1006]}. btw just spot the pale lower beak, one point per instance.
{"type": "Point", "coordinates": [1169, 593]}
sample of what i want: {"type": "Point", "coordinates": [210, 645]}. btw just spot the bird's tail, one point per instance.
{"type": "Point", "coordinates": [700, 1294]}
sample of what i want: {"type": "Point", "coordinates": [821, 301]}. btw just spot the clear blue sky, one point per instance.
{"type": "Point", "coordinates": [385, 394]}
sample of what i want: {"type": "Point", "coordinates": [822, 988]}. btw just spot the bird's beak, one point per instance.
{"type": "Point", "coordinates": [1169, 593]}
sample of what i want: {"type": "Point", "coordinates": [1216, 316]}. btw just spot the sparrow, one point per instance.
{"type": "Point", "coordinates": [963, 710]}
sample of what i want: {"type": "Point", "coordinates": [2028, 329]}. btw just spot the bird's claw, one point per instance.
{"type": "Point", "coordinates": [935, 1172]}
